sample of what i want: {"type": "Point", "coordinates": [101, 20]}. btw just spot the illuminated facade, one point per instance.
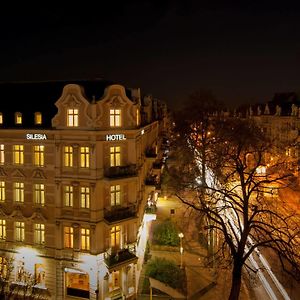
{"type": "Point", "coordinates": [73, 188]}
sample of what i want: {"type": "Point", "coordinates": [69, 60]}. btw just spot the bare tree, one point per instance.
{"type": "Point", "coordinates": [233, 195]}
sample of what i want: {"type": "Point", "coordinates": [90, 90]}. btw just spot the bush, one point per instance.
{"type": "Point", "coordinates": [166, 271]}
{"type": "Point", "coordinates": [166, 233]}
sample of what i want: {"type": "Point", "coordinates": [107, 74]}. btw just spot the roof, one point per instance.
{"type": "Point", "coordinates": [40, 96]}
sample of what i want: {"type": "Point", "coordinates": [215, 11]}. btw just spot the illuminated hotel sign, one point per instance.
{"type": "Point", "coordinates": [36, 136]}
{"type": "Point", "coordinates": [115, 137]}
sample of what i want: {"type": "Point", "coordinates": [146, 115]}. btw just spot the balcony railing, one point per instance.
{"type": "Point", "coordinates": [121, 171]}
{"type": "Point", "coordinates": [119, 257]}
{"type": "Point", "coordinates": [150, 153]}
{"type": "Point", "coordinates": [119, 213]}
{"type": "Point", "coordinates": [157, 164]}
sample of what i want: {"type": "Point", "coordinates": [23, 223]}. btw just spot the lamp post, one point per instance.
{"type": "Point", "coordinates": [180, 235]}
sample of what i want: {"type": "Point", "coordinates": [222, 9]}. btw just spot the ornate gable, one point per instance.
{"type": "Point", "coordinates": [38, 174]}
{"type": "Point", "coordinates": [17, 173]}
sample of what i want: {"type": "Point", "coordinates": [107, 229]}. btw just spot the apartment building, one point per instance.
{"type": "Point", "coordinates": [74, 159]}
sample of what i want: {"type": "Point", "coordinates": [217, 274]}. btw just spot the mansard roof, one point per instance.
{"type": "Point", "coordinates": [40, 96]}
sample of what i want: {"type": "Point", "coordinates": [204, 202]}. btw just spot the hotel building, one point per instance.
{"type": "Point", "coordinates": [77, 163]}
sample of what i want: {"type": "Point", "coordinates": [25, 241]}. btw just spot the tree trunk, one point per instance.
{"type": "Point", "coordinates": [236, 281]}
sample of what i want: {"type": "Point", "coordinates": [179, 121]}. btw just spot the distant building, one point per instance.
{"type": "Point", "coordinates": [279, 119]}
{"type": "Point", "coordinates": [74, 162]}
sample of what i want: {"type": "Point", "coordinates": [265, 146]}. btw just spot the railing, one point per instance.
{"type": "Point", "coordinates": [121, 171]}
{"type": "Point", "coordinates": [118, 213]}
{"type": "Point", "coordinates": [151, 153]}
{"type": "Point", "coordinates": [157, 164]}
{"type": "Point", "coordinates": [117, 257]}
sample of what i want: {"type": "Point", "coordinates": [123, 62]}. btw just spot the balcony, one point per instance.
{"type": "Point", "coordinates": [119, 213]}
{"type": "Point", "coordinates": [119, 258]}
{"type": "Point", "coordinates": [121, 171]}
{"type": "Point", "coordinates": [150, 153]}
{"type": "Point", "coordinates": [157, 164]}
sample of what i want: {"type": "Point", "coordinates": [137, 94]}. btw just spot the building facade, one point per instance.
{"type": "Point", "coordinates": [73, 174]}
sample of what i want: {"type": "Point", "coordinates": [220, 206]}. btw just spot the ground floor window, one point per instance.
{"type": "Point", "coordinates": [77, 284]}
{"type": "Point", "coordinates": [114, 281]}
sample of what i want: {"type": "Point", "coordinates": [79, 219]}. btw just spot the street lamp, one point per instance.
{"type": "Point", "coordinates": [180, 235]}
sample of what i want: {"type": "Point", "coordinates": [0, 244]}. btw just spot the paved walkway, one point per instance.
{"type": "Point", "coordinates": [202, 283]}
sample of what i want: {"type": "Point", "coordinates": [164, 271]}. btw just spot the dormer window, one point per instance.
{"type": "Point", "coordinates": [37, 118]}
{"type": "Point", "coordinates": [115, 117]}
{"type": "Point", "coordinates": [72, 117]}
{"type": "Point", "coordinates": [18, 118]}
{"type": "Point", "coordinates": [1, 118]}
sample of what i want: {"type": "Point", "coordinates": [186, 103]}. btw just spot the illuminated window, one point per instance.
{"type": "Point", "coordinates": [2, 229]}
{"type": "Point", "coordinates": [18, 191]}
{"type": "Point", "coordinates": [68, 156]}
{"type": "Point", "coordinates": [68, 195]}
{"type": "Point", "coordinates": [39, 193]}
{"type": "Point", "coordinates": [18, 118]}
{"type": "Point", "coordinates": [40, 274]}
{"type": "Point", "coordinates": [85, 239]}
{"type": "Point", "coordinates": [38, 155]}
{"type": "Point", "coordinates": [20, 231]}
{"type": "Point", "coordinates": [137, 117]}
{"type": "Point", "coordinates": [84, 157]}
{"type": "Point", "coordinates": [1, 118]}
{"type": "Point", "coordinates": [39, 233]}
{"type": "Point", "coordinates": [115, 195]}
{"type": "Point", "coordinates": [115, 117]}
{"type": "Point", "coordinates": [38, 118]}
{"type": "Point", "coordinates": [72, 117]}
{"type": "Point", "coordinates": [85, 197]}
{"type": "Point", "coordinates": [77, 284]}
{"type": "Point", "coordinates": [3, 268]}
{"type": "Point", "coordinates": [114, 281]}
{"type": "Point", "coordinates": [115, 156]}
{"type": "Point", "coordinates": [18, 154]}
{"type": "Point", "coordinates": [68, 237]}
{"type": "Point", "coordinates": [2, 157]}
{"type": "Point", "coordinates": [115, 237]}
{"type": "Point", "coordinates": [2, 191]}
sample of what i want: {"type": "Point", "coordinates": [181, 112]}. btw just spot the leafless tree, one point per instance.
{"type": "Point", "coordinates": [233, 193]}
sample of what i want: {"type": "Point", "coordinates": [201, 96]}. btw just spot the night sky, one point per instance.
{"type": "Point", "coordinates": [242, 53]}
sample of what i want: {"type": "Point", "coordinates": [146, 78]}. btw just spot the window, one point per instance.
{"type": "Point", "coordinates": [2, 157]}
{"type": "Point", "coordinates": [20, 231]}
{"type": "Point", "coordinates": [72, 117]}
{"type": "Point", "coordinates": [77, 284]}
{"type": "Point", "coordinates": [2, 191]}
{"type": "Point", "coordinates": [68, 237]}
{"type": "Point", "coordinates": [115, 156]}
{"type": "Point", "coordinates": [1, 118]}
{"type": "Point", "coordinates": [84, 197]}
{"type": "Point", "coordinates": [68, 156]}
{"type": "Point", "coordinates": [18, 191]}
{"type": "Point", "coordinates": [38, 155]}
{"type": "Point", "coordinates": [18, 154]}
{"type": "Point", "coordinates": [39, 193]}
{"type": "Point", "coordinates": [114, 281]}
{"type": "Point", "coordinates": [18, 118]}
{"type": "Point", "coordinates": [115, 195]}
{"type": "Point", "coordinates": [85, 239]}
{"type": "Point", "coordinates": [115, 117]}
{"type": "Point", "coordinates": [39, 233]}
{"type": "Point", "coordinates": [68, 195]}
{"type": "Point", "coordinates": [137, 117]}
{"type": "Point", "coordinates": [3, 268]}
{"type": "Point", "coordinates": [115, 237]}
{"type": "Point", "coordinates": [38, 118]}
{"type": "Point", "coordinates": [84, 157]}
{"type": "Point", "coordinates": [40, 274]}
{"type": "Point", "coordinates": [2, 229]}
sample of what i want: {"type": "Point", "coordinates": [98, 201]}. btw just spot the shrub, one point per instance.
{"type": "Point", "coordinates": [166, 233]}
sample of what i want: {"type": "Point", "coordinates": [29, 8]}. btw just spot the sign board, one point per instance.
{"type": "Point", "coordinates": [115, 137]}
{"type": "Point", "coordinates": [36, 136]}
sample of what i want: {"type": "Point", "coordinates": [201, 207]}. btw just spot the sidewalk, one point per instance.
{"type": "Point", "coordinates": [203, 283]}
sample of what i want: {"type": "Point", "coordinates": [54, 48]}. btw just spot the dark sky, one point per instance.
{"type": "Point", "coordinates": [242, 53]}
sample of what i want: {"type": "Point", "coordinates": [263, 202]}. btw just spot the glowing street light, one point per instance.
{"type": "Point", "coordinates": [180, 235]}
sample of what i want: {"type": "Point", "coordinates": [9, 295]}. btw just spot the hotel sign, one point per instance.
{"type": "Point", "coordinates": [115, 137]}
{"type": "Point", "coordinates": [36, 136]}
